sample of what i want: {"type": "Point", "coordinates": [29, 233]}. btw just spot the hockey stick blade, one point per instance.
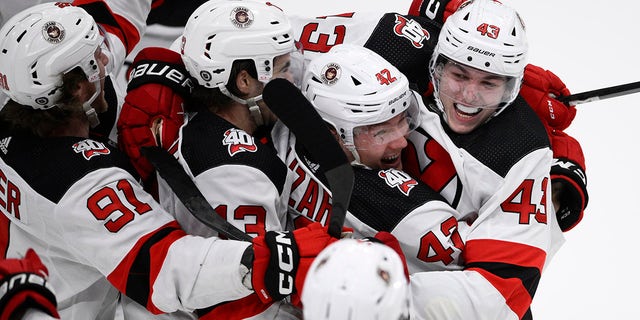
{"type": "Point", "coordinates": [172, 172]}
{"type": "Point", "coordinates": [296, 112]}
{"type": "Point", "coordinates": [601, 94]}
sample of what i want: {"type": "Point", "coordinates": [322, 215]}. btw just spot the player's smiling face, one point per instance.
{"type": "Point", "coordinates": [469, 96]}
{"type": "Point", "coordinates": [379, 146]}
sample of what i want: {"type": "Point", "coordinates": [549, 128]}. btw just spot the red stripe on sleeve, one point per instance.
{"type": "Point", "coordinates": [487, 251]}
{"type": "Point", "coordinates": [515, 294]}
{"type": "Point", "coordinates": [158, 254]}
{"type": "Point", "coordinates": [119, 275]}
{"type": "Point", "coordinates": [129, 35]}
{"type": "Point", "coordinates": [112, 23]}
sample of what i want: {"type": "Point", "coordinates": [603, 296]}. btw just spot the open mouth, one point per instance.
{"type": "Point", "coordinates": [390, 159]}
{"type": "Point", "coordinates": [465, 111]}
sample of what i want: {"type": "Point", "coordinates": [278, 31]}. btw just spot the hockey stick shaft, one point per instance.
{"type": "Point", "coordinates": [601, 94]}
{"type": "Point", "coordinates": [296, 112]}
{"type": "Point", "coordinates": [186, 190]}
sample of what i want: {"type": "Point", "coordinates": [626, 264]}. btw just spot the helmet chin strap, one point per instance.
{"type": "Point", "coordinates": [252, 104]}
{"type": "Point", "coordinates": [91, 113]}
{"type": "Point", "coordinates": [356, 156]}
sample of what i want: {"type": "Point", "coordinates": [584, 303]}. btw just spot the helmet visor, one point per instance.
{"type": "Point", "coordinates": [390, 130]}
{"type": "Point", "coordinates": [106, 47]}
{"type": "Point", "coordinates": [471, 87]}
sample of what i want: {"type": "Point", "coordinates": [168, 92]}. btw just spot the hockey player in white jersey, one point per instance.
{"type": "Point", "coordinates": [495, 174]}
{"type": "Point", "coordinates": [232, 49]}
{"type": "Point", "coordinates": [368, 105]}
{"type": "Point", "coordinates": [77, 202]}
{"type": "Point", "coordinates": [407, 41]}
{"type": "Point", "coordinates": [489, 156]}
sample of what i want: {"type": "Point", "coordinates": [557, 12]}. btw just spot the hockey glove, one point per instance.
{"type": "Point", "coordinates": [569, 180]}
{"type": "Point", "coordinates": [434, 11]}
{"type": "Point", "coordinates": [391, 241]}
{"type": "Point", "coordinates": [539, 88]}
{"type": "Point", "coordinates": [24, 285]}
{"type": "Point", "coordinates": [282, 260]}
{"type": "Point", "coordinates": [152, 111]}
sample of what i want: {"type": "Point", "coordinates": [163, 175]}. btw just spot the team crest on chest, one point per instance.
{"type": "Point", "coordinates": [237, 141]}
{"type": "Point", "coordinates": [90, 148]}
{"type": "Point", "coordinates": [411, 30]}
{"type": "Point", "coordinates": [398, 179]}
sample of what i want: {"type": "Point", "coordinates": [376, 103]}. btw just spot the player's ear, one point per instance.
{"type": "Point", "coordinates": [83, 90]}
{"type": "Point", "coordinates": [244, 82]}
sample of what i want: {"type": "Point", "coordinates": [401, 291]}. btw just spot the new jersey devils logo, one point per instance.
{"type": "Point", "coordinates": [90, 148]}
{"type": "Point", "coordinates": [411, 30]}
{"type": "Point", "coordinates": [237, 140]}
{"type": "Point", "coordinates": [398, 179]}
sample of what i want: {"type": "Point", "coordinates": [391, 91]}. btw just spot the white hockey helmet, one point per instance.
{"type": "Point", "coordinates": [488, 36]}
{"type": "Point", "coordinates": [220, 32]}
{"type": "Point", "coordinates": [39, 45]}
{"type": "Point", "coordinates": [353, 87]}
{"type": "Point", "coordinates": [354, 279]}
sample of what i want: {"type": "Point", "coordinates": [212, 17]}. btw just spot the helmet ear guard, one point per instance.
{"type": "Point", "coordinates": [39, 45]}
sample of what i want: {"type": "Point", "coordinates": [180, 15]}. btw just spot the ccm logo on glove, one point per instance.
{"type": "Point", "coordinates": [284, 260]}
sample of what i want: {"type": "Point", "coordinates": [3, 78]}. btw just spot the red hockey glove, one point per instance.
{"type": "Point", "coordinates": [282, 260]}
{"type": "Point", "coordinates": [24, 285]}
{"type": "Point", "coordinates": [391, 241]}
{"type": "Point", "coordinates": [434, 11]}
{"type": "Point", "coordinates": [569, 180]}
{"type": "Point", "coordinates": [539, 88]}
{"type": "Point", "coordinates": [152, 112]}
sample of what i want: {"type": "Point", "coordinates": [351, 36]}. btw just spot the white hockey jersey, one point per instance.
{"type": "Point", "coordinates": [243, 179]}
{"type": "Point", "coordinates": [244, 182]}
{"type": "Point", "coordinates": [496, 179]}
{"type": "Point", "coordinates": [497, 240]}
{"type": "Point", "coordinates": [76, 202]}
{"type": "Point", "coordinates": [96, 230]}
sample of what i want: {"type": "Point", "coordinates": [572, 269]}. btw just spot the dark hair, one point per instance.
{"type": "Point", "coordinates": [213, 99]}
{"type": "Point", "coordinates": [22, 119]}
